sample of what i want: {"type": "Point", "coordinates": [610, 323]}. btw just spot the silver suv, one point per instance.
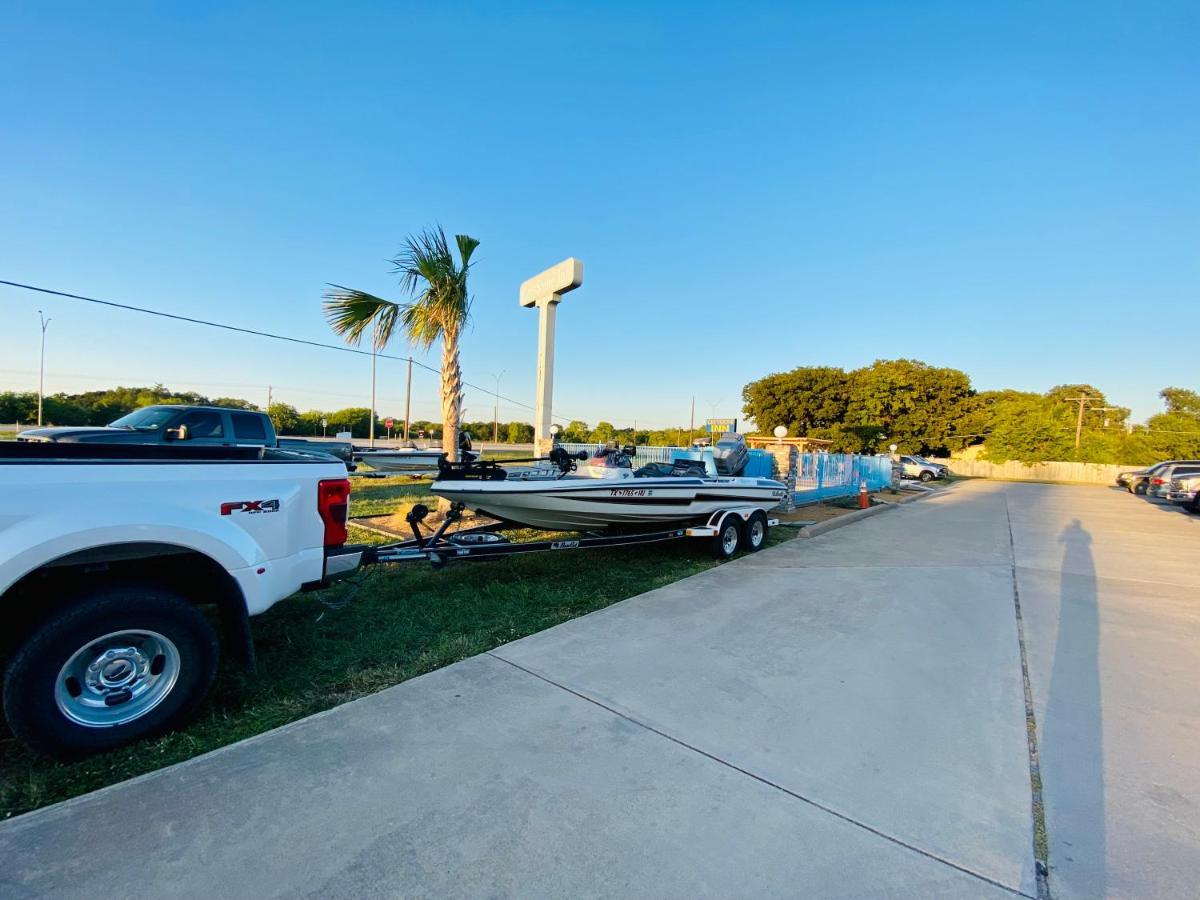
{"type": "Point", "coordinates": [1185, 490]}
{"type": "Point", "coordinates": [1160, 482]}
{"type": "Point", "coordinates": [912, 466]}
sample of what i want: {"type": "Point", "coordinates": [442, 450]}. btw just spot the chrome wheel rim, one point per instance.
{"type": "Point", "coordinates": [117, 678]}
{"type": "Point", "coordinates": [729, 540]}
{"type": "Point", "coordinates": [757, 532]}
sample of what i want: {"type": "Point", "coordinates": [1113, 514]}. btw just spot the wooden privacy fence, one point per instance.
{"type": "Point", "coordinates": [1084, 473]}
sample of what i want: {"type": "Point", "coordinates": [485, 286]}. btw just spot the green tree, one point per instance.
{"type": "Point", "coordinates": [309, 422]}
{"type": "Point", "coordinates": [355, 419]}
{"type": "Point", "coordinates": [285, 418]}
{"type": "Point", "coordinates": [804, 399]}
{"type": "Point", "coordinates": [1181, 400]}
{"type": "Point", "coordinates": [602, 433]}
{"type": "Point", "coordinates": [18, 407]}
{"type": "Point", "coordinates": [438, 309]}
{"type": "Point", "coordinates": [576, 432]}
{"type": "Point", "coordinates": [234, 403]}
{"type": "Point", "coordinates": [520, 433]}
{"type": "Point", "coordinates": [1031, 431]}
{"type": "Point", "coordinates": [912, 404]}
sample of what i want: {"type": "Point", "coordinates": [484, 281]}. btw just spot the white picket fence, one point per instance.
{"type": "Point", "coordinates": [1083, 473]}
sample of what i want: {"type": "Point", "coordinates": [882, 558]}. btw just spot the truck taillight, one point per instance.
{"type": "Point", "coordinates": [333, 503]}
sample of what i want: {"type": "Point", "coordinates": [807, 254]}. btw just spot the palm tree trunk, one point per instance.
{"type": "Point", "coordinates": [451, 395]}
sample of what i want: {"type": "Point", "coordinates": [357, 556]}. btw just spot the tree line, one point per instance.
{"type": "Point", "coordinates": [935, 411]}
{"type": "Point", "coordinates": [103, 407]}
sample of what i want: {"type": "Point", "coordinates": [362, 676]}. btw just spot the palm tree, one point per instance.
{"type": "Point", "coordinates": [438, 308]}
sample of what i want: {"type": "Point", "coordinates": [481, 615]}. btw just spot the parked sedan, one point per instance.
{"type": "Point", "coordinates": [1160, 482]}
{"type": "Point", "coordinates": [1185, 491]}
{"type": "Point", "coordinates": [1138, 481]}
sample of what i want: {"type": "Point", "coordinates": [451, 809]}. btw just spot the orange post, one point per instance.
{"type": "Point", "coordinates": [863, 500]}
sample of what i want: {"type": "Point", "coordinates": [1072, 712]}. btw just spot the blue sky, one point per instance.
{"type": "Point", "coordinates": [1012, 189]}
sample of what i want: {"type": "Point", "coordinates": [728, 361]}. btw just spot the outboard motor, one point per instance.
{"type": "Point", "coordinates": [464, 447]}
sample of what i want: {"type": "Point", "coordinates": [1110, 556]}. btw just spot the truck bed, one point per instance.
{"type": "Point", "coordinates": [44, 451]}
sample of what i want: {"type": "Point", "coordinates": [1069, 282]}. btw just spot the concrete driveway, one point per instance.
{"type": "Point", "coordinates": [840, 717]}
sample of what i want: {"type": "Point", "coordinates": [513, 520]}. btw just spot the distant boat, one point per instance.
{"type": "Point", "coordinates": [404, 460]}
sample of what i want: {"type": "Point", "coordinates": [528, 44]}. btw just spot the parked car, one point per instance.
{"type": "Point", "coordinates": [1137, 481]}
{"type": "Point", "coordinates": [108, 552]}
{"type": "Point", "coordinates": [1160, 482]}
{"type": "Point", "coordinates": [916, 467]}
{"type": "Point", "coordinates": [215, 426]}
{"type": "Point", "coordinates": [1185, 491]}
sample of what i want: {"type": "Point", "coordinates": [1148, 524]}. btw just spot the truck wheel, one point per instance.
{"type": "Point", "coordinates": [728, 538]}
{"type": "Point", "coordinates": [121, 663]}
{"type": "Point", "coordinates": [755, 536]}
{"type": "Point", "coordinates": [926, 475]}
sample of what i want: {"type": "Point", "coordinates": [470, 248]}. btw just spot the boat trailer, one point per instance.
{"type": "Point", "coordinates": [728, 530]}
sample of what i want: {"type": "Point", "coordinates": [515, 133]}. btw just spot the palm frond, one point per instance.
{"type": "Point", "coordinates": [351, 312]}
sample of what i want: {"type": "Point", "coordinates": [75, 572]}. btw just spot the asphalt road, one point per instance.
{"type": "Point", "coordinates": [836, 717]}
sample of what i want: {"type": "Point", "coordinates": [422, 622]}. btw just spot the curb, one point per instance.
{"type": "Point", "coordinates": [819, 528]}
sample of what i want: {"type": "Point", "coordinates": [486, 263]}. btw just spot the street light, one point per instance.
{"type": "Point", "coordinates": [42, 366]}
{"type": "Point", "coordinates": [496, 409]}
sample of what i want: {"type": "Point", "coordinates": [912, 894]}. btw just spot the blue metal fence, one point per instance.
{"type": "Point", "coordinates": [822, 476]}
{"type": "Point", "coordinates": [826, 475]}
{"type": "Point", "coordinates": [645, 454]}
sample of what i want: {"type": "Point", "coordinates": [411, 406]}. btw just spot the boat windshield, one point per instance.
{"type": "Point", "coordinates": [150, 418]}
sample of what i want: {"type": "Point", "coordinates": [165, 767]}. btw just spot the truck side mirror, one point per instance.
{"type": "Point", "coordinates": [179, 433]}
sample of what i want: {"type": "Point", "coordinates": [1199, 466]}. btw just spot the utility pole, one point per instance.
{"type": "Point", "coordinates": [268, 398]}
{"type": "Point", "coordinates": [408, 398]}
{"type": "Point", "coordinates": [42, 366]}
{"type": "Point", "coordinates": [371, 427]}
{"type": "Point", "coordinates": [496, 409]}
{"type": "Point", "coordinates": [1083, 407]}
{"type": "Point", "coordinates": [692, 422]}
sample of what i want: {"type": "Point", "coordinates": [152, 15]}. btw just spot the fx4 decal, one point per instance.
{"type": "Point", "coordinates": [250, 506]}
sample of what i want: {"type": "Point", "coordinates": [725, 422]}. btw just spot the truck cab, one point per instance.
{"type": "Point", "coordinates": [200, 426]}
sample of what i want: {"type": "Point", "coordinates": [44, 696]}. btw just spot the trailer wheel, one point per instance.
{"type": "Point", "coordinates": [122, 663]}
{"type": "Point", "coordinates": [755, 537]}
{"type": "Point", "coordinates": [728, 537]}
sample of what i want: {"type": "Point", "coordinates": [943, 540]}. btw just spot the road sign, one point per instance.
{"type": "Point", "coordinates": [388, 423]}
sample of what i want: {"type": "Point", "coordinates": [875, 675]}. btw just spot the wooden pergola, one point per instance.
{"type": "Point", "coordinates": [802, 444]}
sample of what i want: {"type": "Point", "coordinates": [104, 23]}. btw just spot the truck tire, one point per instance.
{"type": "Point", "coordinates": [120, 663]}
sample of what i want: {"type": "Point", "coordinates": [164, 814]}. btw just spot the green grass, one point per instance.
{"type": "Point", "coordinates": [318, 650]}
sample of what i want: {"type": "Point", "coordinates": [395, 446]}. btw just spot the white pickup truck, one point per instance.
{"type": "Point", "coordinates": [116, 561]}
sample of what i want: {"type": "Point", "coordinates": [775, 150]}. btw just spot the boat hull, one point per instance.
{"type": "Point", "coordinates": [585, 504]}
{"type": "Point", "coordinates": [416, 461]}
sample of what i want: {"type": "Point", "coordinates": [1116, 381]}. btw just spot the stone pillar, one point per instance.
{"type": "Point", "coordinates": [786, 468]}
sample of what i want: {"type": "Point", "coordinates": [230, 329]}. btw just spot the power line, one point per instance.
{"type": "Point", "coordinates": [255, 333]}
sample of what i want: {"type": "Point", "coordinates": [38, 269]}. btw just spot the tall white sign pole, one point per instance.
{"type": "Point", "coordinates": [545, 291]}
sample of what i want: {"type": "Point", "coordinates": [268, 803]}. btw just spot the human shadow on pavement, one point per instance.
{"type": "Point", "coordinates": [1073, 731]}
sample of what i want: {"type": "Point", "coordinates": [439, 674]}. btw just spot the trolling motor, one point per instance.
{"type": "Point", "coordinates": [473, 468]}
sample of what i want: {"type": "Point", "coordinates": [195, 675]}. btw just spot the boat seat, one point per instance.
{"type": "Point", "coordinates": [704, 457]}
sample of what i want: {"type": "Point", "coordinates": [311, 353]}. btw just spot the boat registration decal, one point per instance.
{"type": "Point", "coordinates": [630, 492]}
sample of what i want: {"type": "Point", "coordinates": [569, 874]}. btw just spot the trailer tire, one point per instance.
{"type": "Point", "coordinates": [728, 537]}
{"type": "Point", "coordinates": [120, 663]}
{"type": "Point", "coordinates": [754, 537]}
